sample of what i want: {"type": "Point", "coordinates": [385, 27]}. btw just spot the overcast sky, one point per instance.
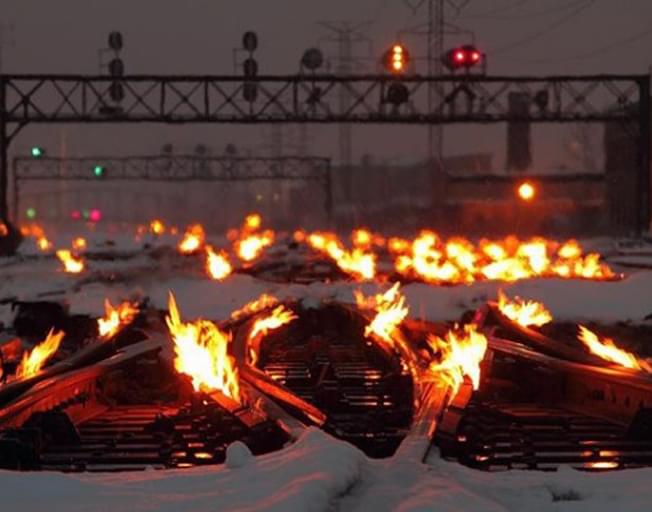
{"type": "Point", "coordinates": [197, 36]}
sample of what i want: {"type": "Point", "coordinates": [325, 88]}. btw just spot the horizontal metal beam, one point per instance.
{"type": "Point", "coordinates": [315, 99]}
{"type": "Point", "coordinates": [172, 168]}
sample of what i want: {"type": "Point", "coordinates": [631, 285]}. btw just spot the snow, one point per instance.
{"type": "Point", "coordinates": [319, 473]}
{"type": "Point", "coordinates": [307, 476]}
{"type": "Point", "coordinates": [569, 300]}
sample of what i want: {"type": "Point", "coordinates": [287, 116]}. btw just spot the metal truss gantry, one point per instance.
{"type": "Point", "coordinates": [375, 99]}
{"type": "Point", "coordinates": [174, 168]}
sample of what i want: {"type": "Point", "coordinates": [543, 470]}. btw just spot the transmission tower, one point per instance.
{"type": "Point", "coordinates": [345, 35]}
{"type": "Point", "coordinates": [434, 30]}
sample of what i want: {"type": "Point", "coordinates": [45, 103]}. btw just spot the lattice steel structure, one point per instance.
{"type": "Point", "coordinates": [174, 168]}
{"type": "Point", "coordinates": [377, 99]}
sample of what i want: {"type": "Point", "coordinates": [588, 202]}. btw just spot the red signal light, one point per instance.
{"type": "Point", "coordinates": [462, 57]}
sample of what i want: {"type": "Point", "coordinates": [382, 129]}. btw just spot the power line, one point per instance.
{"type": "Point", "coordinates": [599, 51]}
{"type": "Point", "coordinates": [549, 28]}
{"type": "Point", "coordinates": [536, 14]}
{"type": "Point", "coordinates": [498, 10]}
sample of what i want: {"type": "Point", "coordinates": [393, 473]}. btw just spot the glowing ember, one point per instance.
{"type": "Point", "coordinates": [201, 353]}
{"type": "Point", "coordinates": [525, 313]}
{"type": "Point", "coordinates": [4, 231]}
{"type": "Point", "coordinates": [71, 264]}
{"type": "Point", "coordinates": [193, 239]}
{"type": "Point", "coordinates": [79, 244]}
{"type": "Point", "coordinates": [278, 317]}
{"type": "Point", "coordinates": [217, 264]}
{"type": "Point", "coordinates": [460, 354]}
{"type": "Point", "coordinates": [33, 361]}
{"type": "Point", "coordinates": [390, 312]}
{"type": "Point", "coordinates": [157, 227]}
{"type": "Point", "coordinates": [607, 350]}
{"type": "Point", "coordinates": [115, 319]}
{"type": "Point", "coordinates": [359, 263]}
{"type": "Point", "coordinates": [457, 260]}
{"type": "Point", "coordinates": [263, 302]}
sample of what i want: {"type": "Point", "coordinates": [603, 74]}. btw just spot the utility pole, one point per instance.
{"type": "Point", "coordinates": [345, 35]}
{"type": "Point", "coordinates": [435, 42]}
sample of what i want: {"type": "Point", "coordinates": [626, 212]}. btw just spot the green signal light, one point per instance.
{"type": "Point", "coordinates": [98, 171]}
{"type": "Point", "coordinates": [37, 152]}
{"type": "Point", "coordinates": [31, 213]}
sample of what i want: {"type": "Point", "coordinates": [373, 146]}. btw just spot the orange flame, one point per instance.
{"type": "Point", "coordinates": [251, 246]}
{"type": "Point", "coordinates": [249, 242]}
{"type": "Point", "coordinates": [525, 313]}
{"type": "Point", "coordinates": [278, 317]}
{"type": "Point", "coordinates": [606, 349]}
{"type": "Point", "coordinates": [71, 264]}
{"type": "Point", "coordinates": [115, 319]}
{"type": "Point", "coordinates": [263, 302]}
{"type": "Point", "coordinates": [35, 231]}
{"type": "Point", "coordinates": [201, 353]}
{"type": "Point", "coordinates": [33, 361]}
{"type": "Point", "coordinates": [79, 243]}
{"type": "Point", "coordinates": [157, 227]}
{"type": "Point", "coordinates": [390, 312]}
{"type": "Point", "coordinates": [193, 239]}
{"type": "Point", "coordinates": [358, 263]}
{"type": "Point", "coordinates": [217, 264]}
{"type": "Point", "coordinates": [457, 260]}
{"type": "Point", "coordinates": [461, 353]}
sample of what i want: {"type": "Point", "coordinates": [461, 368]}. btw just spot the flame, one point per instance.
{"type": "Point", "coordinates": [525, 313]}
{"type": "Point", "coordinates": [457, 260]}
{"type": "Point", "coordinates": [461, 352]}
{"type": "Point", "coordinates": [115, 319]}
{"type": "Point", "coordinates": [71, 264]}
{"type": "Point", "coordinates": [263, 302]}
{"type": "Point", "coordinates": [35, 231]}
{"type": "Point", "coordinates": [33, 361]}
{"type": "Point", "coordinates": [217, 264]}
{"type": "Point", "coordinates": [249, 241]}
{"type": "Point", "coordinates": [201, 353]}
{"type": "Point", "coordinates": [157, 227]}
{"type": "Point", "coordinates": [253, 221]}
{"type": "Point", "coordinates": [606, 349]}
{"type": "Point", "coordinates": [278, 317]}
{"type": "Point", "coordinates": [79, 243]}
{"type": "Point", "coordinates": [251, 246]}
{"type": "Point", "coordinates": [193, 239]}
{"type": "Point", "coordinates": [390, 312]}
{"type": "Point", "coordinates": [359, 263]}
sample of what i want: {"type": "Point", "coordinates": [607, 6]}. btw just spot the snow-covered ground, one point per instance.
{"type": "Point", "coordinates": [318, 472]}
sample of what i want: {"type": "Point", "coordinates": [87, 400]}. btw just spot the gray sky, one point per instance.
{"type": "Point", "coordinates": [197, 36]}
